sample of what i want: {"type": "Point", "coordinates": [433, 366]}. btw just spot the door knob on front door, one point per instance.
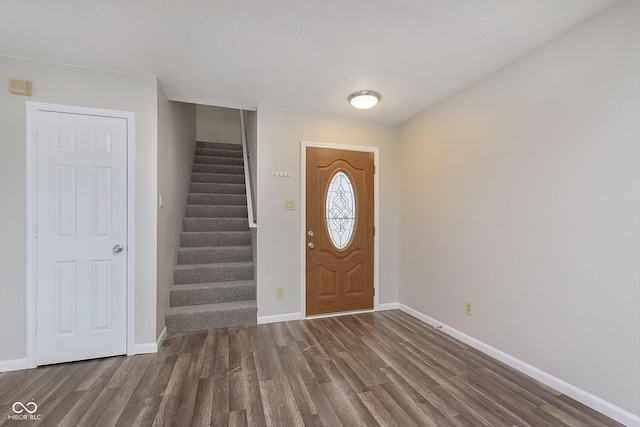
{"type": "Point", "coordinates": [311, 245]}
{"type": "Point", "coordinates": [117, 249]}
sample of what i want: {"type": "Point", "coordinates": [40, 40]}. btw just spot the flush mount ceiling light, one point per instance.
{"type": "Point", "coordinates": [364, 99]}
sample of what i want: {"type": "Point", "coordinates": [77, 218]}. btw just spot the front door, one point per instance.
{"type": "Point", "coordinates": [340, 230]}
{"type": "Point", "coordinates": [81, 237]}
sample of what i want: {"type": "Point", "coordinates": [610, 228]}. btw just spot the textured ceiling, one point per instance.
{"type": "Point", "coordinates": [306, 55]}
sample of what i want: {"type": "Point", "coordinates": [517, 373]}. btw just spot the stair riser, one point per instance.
{"type": "Point", "coordinates": [237, 154]}
{"type": "Point", "coordinates": [221, 273]}
{"type": "Point", "coordinates": [215, 224]}
{"type": "Point", "coordinates": [217, 178]}
{"type": "Point", "coordinates": [219, 146]}
{"type": "Point", "coordinates": [225, 199]}
{"type": "Point", "coordinates": [181, 298]}
{"type": "Point", "coordinates": [207, 160]}
{"type": "Point", "coordinates": [212, 188]}
{"type": "Point", "coordinates": [181, 323]}
{"type": "Point", "coordinates": [214, 255]}
{"type": "Point", "coordinates": [218, 169]}
{"type": "Point", "coordinates": [215, 188]}
{"type": "Point", "coordinates": [215, 239]}
{"type": "Point", "coordinates": [230, 211]}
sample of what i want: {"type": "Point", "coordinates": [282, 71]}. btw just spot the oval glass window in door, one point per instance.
{"type": "Point", "coordinates": [340, 212]}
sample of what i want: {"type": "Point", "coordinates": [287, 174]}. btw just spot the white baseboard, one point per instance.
{"type": "Point", "coordinates": [388, 306]}
{"type": "Point", "coordinates": [14, 365]}
{"type": "Point", "coordinates": [151, 347]}
{"type": "Point", "coordinates": [145, 348]}
{"type": "Point", "coordinates": [279, 318]}
{"type": "Point", "coordinates": [163, 334]}
{"type": "Point", "coordinates": [621, 415]}
{"type": "Point", "coordinates": [19, 364]}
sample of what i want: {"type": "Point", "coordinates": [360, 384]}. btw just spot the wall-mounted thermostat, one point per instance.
{"type": "Point", "coordinates": [20, 87]}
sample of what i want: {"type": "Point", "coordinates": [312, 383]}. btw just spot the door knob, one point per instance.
{"type": "Point", "coordinates": [311, 245]}
{"type": "Point", "coordinates": [117, 249]}
{"type": "Point", "coordinates": [310, 233]}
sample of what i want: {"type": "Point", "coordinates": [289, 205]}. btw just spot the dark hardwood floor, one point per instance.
{"type": "Point", "coordinates": [383, 368]}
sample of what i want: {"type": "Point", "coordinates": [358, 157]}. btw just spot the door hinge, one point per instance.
{"type": "Point", "coordinates": [374, 230]}
{"type": "Point", "coordinates": [374, 292]}
{"type": "Point", "coordinates": [374, 169]}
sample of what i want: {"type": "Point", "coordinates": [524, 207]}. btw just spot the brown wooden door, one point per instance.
{"type": "Point", "coordinates": [340, 229]}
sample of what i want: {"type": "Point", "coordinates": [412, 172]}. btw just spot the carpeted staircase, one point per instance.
{"type": "Point", "coordinates": [213, 282]}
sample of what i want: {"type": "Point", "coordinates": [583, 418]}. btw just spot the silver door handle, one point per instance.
{"type": "Point", "coordinates": [117, 249]}
{"type": "Point", "coordinates": [311, 245]}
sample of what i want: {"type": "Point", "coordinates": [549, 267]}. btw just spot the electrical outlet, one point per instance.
{"type": "Point", "coordinates": [468, 308]}
{"type": "Point", "coordinates": [279, 292]}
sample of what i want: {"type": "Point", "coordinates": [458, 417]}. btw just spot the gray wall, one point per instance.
{"type": "Point", "coordinates": [218, 124]}
{"type": "Point", "coordinates": [176, 147]}
{"type": "Point", "coordinates": [521, 194]}
{"type": "Point", "coordinates": [61, 84]}
{"type": "Point", "coordinates": [278, 248]}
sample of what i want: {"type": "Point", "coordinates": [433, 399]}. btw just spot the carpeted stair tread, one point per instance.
{"type": "Point", "coordinates": [215, 224]}
{"type": "Point", "coordinates": [216, 211]}
{"type": "Point", "coordinates": [217, 178]}
{"type": "Point", "coordinates": [219, 146]}
{"type": "Point", "coordinates": [218, 169]}
{"type": "Point", "coordinates": [213, 160]}
{"type": "Point", "coordinates": [197, 266]}
{"type": "Point", "coordinates": [214, 238]}
{"type": "Point", "coordinates": [216, 188]}
{"type": "Point", "coordinates": [214, 255]}
{"type": "Point", "coordinates": [219, 187]}
{"type": "Point", "coordinates": [218, 152]}
{"type": "Point", "coordinates": [224, 199]}
{"type": "Point", "coordinates": [216, 307]}
{"type": "Point", "coordinates": [210, 316]}
{"type": "Point", "coordinates": [212, 293]}
{"type": "Point", "coordinates": [204, 273]}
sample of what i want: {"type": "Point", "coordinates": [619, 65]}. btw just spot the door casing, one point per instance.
{"type": "Point", "coordinates": [303, 214]}
{"type": "Point", "coordinates": [31, 219]}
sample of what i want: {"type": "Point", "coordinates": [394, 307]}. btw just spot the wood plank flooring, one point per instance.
{"type": "Point", "coordinates": [384, 368]}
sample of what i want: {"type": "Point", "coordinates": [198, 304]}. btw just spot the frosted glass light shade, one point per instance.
{"type": "Point", "coordinates": [364, 99]}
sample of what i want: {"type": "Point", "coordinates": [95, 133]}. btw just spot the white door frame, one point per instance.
{"type": "Point", "coordinates": [32, 212]}
{"type": "Point", "coordinates": [303, 210]}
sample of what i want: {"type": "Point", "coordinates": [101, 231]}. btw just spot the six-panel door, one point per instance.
{"type": "Point", "coordinates": [81, 222]}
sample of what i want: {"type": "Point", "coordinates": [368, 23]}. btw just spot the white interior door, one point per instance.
{"type": "Point", "coordinates": [81, 225]}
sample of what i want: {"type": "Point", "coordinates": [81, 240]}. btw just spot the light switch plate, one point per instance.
{"type": "Point", "coordinates": [289, 205]}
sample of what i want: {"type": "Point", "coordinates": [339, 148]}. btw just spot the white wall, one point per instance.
{"type": "Point", "coordinates": [60, 84]}
{"type": "Point", "coordinates": [218, 124]}
{"type": "Point", "coordinates": [278, 239]}
{"type": "Point", "coordinates": [521, 194]}
{"type": "Point", "coordinates": [176, 147]}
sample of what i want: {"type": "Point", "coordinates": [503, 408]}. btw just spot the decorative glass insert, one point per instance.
{"type": "Point", "coordinates": [341, 209]}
